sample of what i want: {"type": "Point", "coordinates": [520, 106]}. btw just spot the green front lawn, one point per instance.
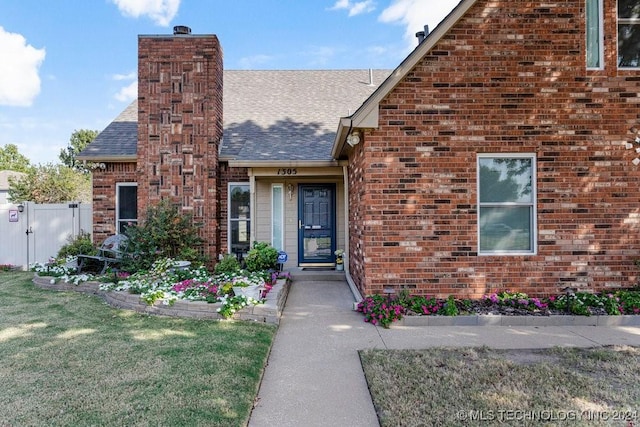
{"type": "Point", "coordinates": [485, 387]}
{"type": "Point", "coordinates": [69, 359]}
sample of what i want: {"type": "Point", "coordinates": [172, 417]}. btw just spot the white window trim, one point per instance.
{"type": "Point", "coordinates": [119, 185]}
{"type": "Point", "coordinates": [229, 185]}
{"type": "Point", "coordinates": [600, 38]}
{"type": "Point", "coordinates": [533, 204]}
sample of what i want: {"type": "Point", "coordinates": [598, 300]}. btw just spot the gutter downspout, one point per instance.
{"type": "Point", "coordinates": [354, 289]}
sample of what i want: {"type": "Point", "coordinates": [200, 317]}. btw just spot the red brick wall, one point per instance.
{"type": "Point", "coordinates": [510, 77]}
{"type": "Point", "coordinates": [363, 229]}
{"type": "Point", "coordinates": [180, 127]}
{"type": "Point", "coordinates": [104, 197]}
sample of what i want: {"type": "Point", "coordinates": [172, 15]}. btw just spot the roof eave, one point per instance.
{"type": "Point", "coordinates": [367, 115]}
{"type": "Point", "coordinates": [283, 163]}
{"type": "Point", "coordinates": [344, 127]}
{"type": "Point", "coordinates": [109, 159]}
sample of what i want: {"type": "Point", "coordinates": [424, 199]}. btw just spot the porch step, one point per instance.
{"type": "Point", "coordinates": [317, 275]}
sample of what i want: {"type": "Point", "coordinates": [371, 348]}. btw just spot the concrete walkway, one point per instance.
{"type": "Point", "coordinates": [314, 376]}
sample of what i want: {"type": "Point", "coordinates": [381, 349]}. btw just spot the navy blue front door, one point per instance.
{"type": "Point", "coordinates": [317, 224]}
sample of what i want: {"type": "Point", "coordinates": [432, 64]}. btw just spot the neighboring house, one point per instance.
{"type": "Point", "coordinates": [500, 154]}
{"type": "Point", "coordinates": [4, 184]}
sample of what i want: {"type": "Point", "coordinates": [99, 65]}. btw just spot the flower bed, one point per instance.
{"type": "Point", "coordinates": [180, 292]}
{"type": "Point", "coordinates": [491, 309]}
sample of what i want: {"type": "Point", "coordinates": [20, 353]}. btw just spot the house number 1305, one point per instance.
{"type": "Point", "coordinates": [288, 171]}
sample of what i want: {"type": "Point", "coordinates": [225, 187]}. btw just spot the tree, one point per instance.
{"type": "Point", "coordinates": [78, 142]}
{"type": "Point", "coordinates": [51, 184]}
{"type": "Point", "coordinates": [11, 159]}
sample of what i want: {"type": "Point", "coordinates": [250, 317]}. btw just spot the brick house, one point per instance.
{"type": "Point", "coordinates": [500, 154]}
{"type": "Point", "coordinates": [247, 153]}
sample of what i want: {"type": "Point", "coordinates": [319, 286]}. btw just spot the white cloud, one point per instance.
{"type": "Point", "coordinates": [131, 76]}
{"type": "Point", "coordinates": [128, 93]}
{"type": "Point", "coordinates": [355, 8]}
{"type": "Point", "coordinates": [415, 14]}
{"type": "Point", "coordinates": [19, 66]}
{"type": "Point", "coordinates": [160, 11]}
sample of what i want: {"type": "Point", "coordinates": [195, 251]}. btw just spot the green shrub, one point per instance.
{"type": "Point", "coordinates": [425, 305]}
{"type": "Point", "coordinates": [450, 308]}
{"type": "Point", "coordinates": [228, 264]}
{"type": "Point", "coordinates": [164, 233]}
{"type": "Point", "coordinates": [80, 245]}
{"type": "Point", "coordinates": [629, 302]}
{"type": "Point", "coordinates": [262, 256]}
{"type": "Point", "coordinates": [578, 303]}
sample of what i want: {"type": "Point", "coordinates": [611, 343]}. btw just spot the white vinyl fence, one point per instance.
{"type": "Point", "coordinates": [33, 233]}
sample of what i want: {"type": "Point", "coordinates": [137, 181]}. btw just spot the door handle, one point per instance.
{"type": "Point", "coordinates": [299, 224]}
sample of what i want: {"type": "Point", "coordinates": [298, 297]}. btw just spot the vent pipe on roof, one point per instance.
{"type": "Point", "coordinates": [370, 77]}
{"type": "Point", "coordinates": [421, 35]}
{"type": "Point", "coordinates": [181, 29]}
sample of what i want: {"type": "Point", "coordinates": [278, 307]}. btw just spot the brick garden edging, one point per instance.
{"type": "Point", "coordinates": [269, 312]}
{"type": "Point", "coordinates": [499, 320]}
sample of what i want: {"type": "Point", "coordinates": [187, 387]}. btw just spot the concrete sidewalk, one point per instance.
{"type": "Point", "coordinates": [314, 376]}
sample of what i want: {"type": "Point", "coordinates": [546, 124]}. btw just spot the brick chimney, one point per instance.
{"type": "Point", "coordinates": [180, 125]}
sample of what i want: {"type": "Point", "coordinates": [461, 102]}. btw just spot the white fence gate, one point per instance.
{"type": "Point", "coordinates": [34, 233]}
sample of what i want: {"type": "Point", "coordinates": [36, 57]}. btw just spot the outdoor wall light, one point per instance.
{"type": "Point", "coordinates": [290, 191]}
{"type": "Point", "coordinates": [20, 208]}
{"type": "Point", "coordinates": [353, 139]}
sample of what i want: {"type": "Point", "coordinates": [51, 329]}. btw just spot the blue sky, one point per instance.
{"type": "Point", "coordinates": [71, 64]}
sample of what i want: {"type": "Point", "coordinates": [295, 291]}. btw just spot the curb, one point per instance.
{"type": "Point", "coordinates": [269, 312]}
{"type": "Point", "coordinates": [499, 320]}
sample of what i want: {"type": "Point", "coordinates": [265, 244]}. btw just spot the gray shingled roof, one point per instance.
{"type": "Point", "coordinates": [118, 139]}
{"type": "Point", "coordinates": [289, 115]}
{"type": "Point", "coordinates": [268, 115]}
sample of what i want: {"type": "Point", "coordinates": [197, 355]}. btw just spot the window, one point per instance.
{"type": "Point", "coordinates": [629, 33]}
{"type": "Point", "coordinates": [239, 218]}
{"type": "Point", "coordinates": [277, 216]}
{"type": "Point", "coordinates": [126, 205]}
{"type": "Point", "coordinates": [594, 34]}
{"type": "Point", "coordinates": [507, 216]}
